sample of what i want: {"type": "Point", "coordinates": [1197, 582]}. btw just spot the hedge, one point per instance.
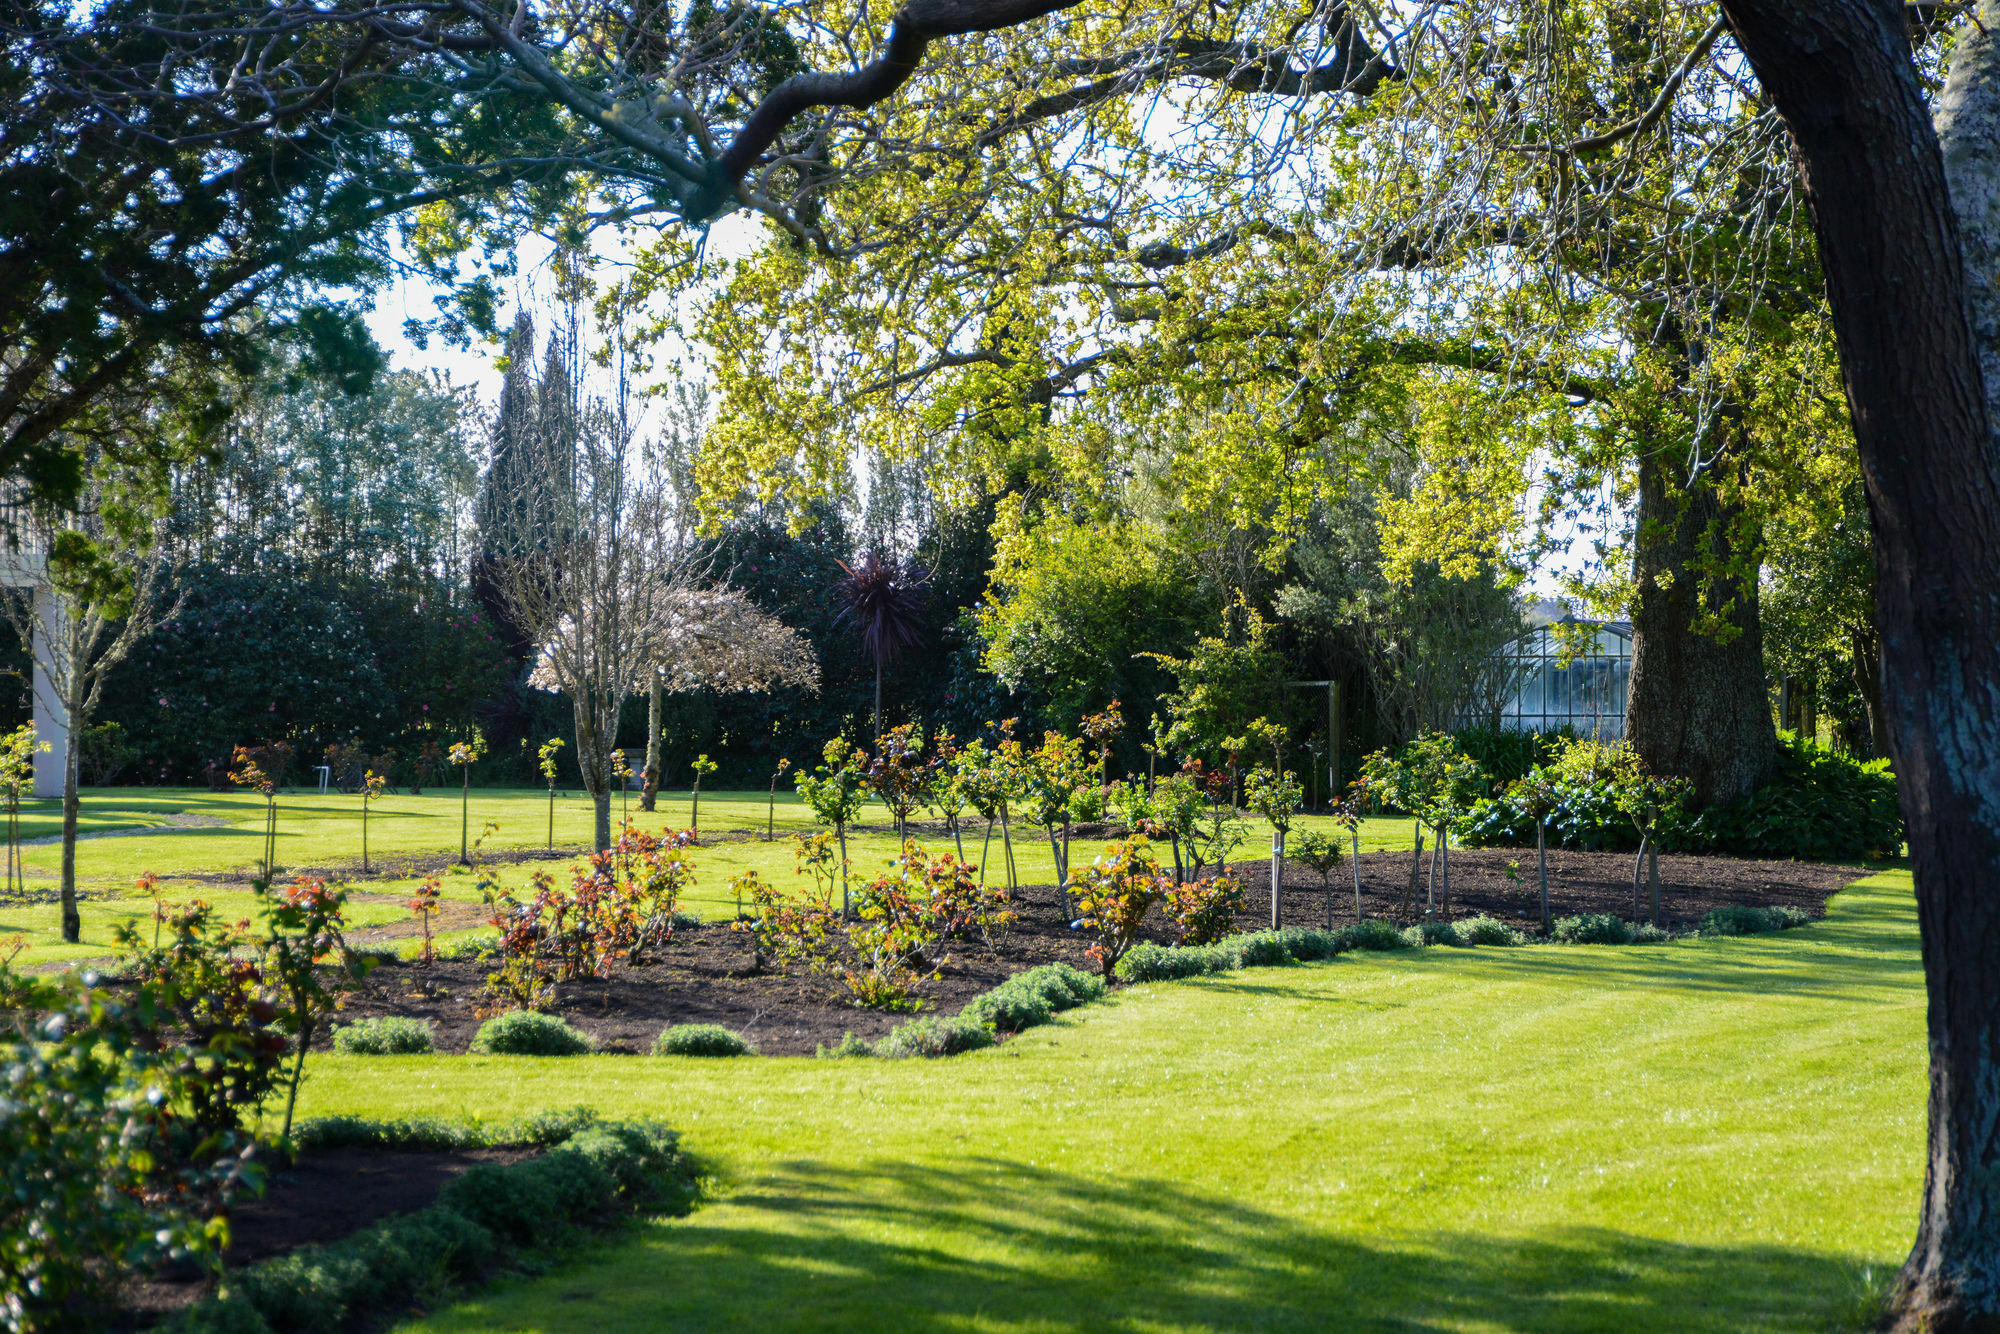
{"type": "Point", "coordinates": [594, 1174]}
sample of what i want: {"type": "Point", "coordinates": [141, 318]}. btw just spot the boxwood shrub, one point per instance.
{"type": "Point", "coordinates": [1307, 943]}
{"type": "Point", "coordinates": [388, 1035]}
{"type": "Point", "coordinates": [1064, 986]}
{"type": "Point", "coordinates": [528, 1033]}
{"type": "Point", "coordinates": [848, 1046]}
{"type": "Point", "coordinates": [1147, 962]}
{"type": "Point", "coordinates": [701, 1040]}
{"type": "Point", "coordinates": [935, 1037]}
{"type": "Point", "coordinates": [1434, 933]}
{"type": "Point", "coordinates": [1372, 933]}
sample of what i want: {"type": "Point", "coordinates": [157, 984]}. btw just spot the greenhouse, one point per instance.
{"type": "Point", "coordinates": [1571, 673]}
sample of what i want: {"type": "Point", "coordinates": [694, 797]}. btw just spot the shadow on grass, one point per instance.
{"type": "Point", "coordinates": [995, 1244]}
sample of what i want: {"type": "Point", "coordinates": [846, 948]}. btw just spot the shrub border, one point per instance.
{"type": "Point", "coordinates": [595, 1177]}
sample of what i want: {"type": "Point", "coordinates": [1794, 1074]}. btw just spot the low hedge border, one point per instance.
{"type": "Point", "coordinates": [1030, 999]}
{"type": "Point", "coordinates": [595, 1175]}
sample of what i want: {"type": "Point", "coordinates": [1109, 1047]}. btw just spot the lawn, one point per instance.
{"type": "Point", "coordinates": [1704, 1136]}
{"type": "Point", "coordinates": [215, 858]}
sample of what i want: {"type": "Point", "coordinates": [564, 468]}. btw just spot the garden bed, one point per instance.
{"type": "Point", "coordinates": [323, 1197]}
{"type": "Point", "coordinates": [708, 976]}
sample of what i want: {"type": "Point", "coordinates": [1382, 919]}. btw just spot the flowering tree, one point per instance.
{"type": "Point", "coordinates": [717, 639]}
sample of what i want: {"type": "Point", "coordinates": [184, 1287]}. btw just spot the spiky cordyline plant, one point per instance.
{"type": "Point", "coordinates": [883, 598]}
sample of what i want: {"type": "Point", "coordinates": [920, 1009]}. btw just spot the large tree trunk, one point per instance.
{"type": "Point", "coordinates": [1697, 707]}
{"type": "Point", "coordinates": [1840, 72]}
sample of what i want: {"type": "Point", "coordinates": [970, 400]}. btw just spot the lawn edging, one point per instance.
{"type": "Point", "coordinates": [595, 1176]}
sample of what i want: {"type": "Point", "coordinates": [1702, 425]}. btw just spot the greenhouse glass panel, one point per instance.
{"type": "Point", "coordinates": [1569, 679]}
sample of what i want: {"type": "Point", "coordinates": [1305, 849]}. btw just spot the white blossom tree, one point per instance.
{"type": "Point", "coordinates": [717, 639]}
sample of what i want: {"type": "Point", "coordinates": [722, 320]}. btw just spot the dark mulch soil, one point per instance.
{"type": "Point", "coordinates": [321, 1198]}
{"type": "Point", "coordinates": [707, 977]}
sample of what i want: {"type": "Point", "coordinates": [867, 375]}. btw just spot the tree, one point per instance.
{"type": "Point", "coordinates": [592, 564]}
{"type": "Point", "coordinates": [1075, 602]}
{"type": "Point", "coordinates": [1819, 612]}
{"type": "Point", "coordinates": [276, 178]}
{"type": "Point", "coordinates": [104, 593]}
{"type": "Point", "coordinates": [882, 599]}
{"type": "Point", "coordinates": [716, 639]}
{"type": "Point", "coordinates": [1899, 223]}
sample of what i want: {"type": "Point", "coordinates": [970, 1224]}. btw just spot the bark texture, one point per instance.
{"type": "Point", "coordinates": [1840, 73]}
{"type": "Point", "coordinates": [1698, 705]}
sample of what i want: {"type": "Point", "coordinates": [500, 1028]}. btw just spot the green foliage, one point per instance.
{"type": "Point", "coordinates": [80, 1150]}
{"type": "Point", "coordinates": [1222, 686]}
{"type": "Point", "coordinates": [1504, 754]}
{"type": "Point", "coordinates": [279, 653]}
{"type": "Point", "coordinates": [528, 1033]}
{"type": "Point", "coordinates": [1604, 929]}
{"type": "Point", "coordinates": [1079, 607]}
{"type": "Point", "coordinates": [1484, 930]}
{"type": "Point", "coordinates": [701, 1040]}
{"type": "Point", "coordinates": [1257, 949]}
{"type": "Point", "coordinates": [1372, 933]}
{"type": "Point", "coordinates": [1028, 999]}
{"type": "Point", "coordinates": [1009, 1009]}
{"type": "Point", "coordinates": [849, 1046]}
{"type": "Point", "coordinates": [542, 1128]}
{"type": "Point", "coordinates": [1739, 920]}
{"type": "Point", "coordinates": [1319, 852]}
{"type": "Point", "coordinates": [1820, 806]}
{"type": "Point", "coordinates": [1064, 986]}
{"type": "Point", "coordinates": [593, 1172]}
{"type": "Point", "coordinates": [838, 789]}
{"type": "Point", "coordinates": [1434, 933]}
{"type": "Point", "coordinates": [1309, 943]}
{"type": "Point", "coordinates": [1260, 949]}
{"type": "Point", "coordinates": [935, 1036]}
{"type": "Point", "coordinates": [1431, 779]}
{"type": "Point", "coordinates": [386, 1035]}
{"type": "Point", "coordinates": [1148, 962]}
{"type": "Point", "coordinates": [1276, 797]}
